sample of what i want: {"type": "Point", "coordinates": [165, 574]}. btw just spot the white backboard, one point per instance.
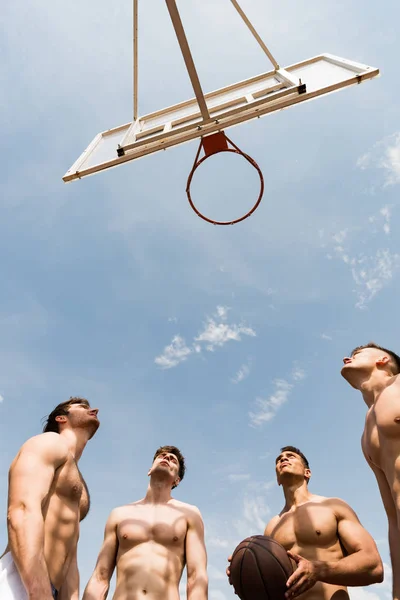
{"type": "Point", "coordinates": [229, 106]}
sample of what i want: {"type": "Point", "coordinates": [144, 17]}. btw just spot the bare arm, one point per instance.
{"type": "Point", "coordinates": [99, 583]}
{"type": "Point", "coordinates": [30, 479]}
{"type": "Point", "coordinates": [393, 515]}
{"type": "Point", "coordinates": [196, 559]}
{"type": "Point", "coordinates": [70, 588]}
{"type": "Point", "coordinates": [362, 566]}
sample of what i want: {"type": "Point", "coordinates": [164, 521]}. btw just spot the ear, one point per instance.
{"type": "Point", "coordinates": [61, 419]}
{"type": "Point", "coordinates": [177, 481]}
{"type": "Point", "coordinates": [307, 474]}
{"type": "Point", "coordinates": [149, 473]}
{"type": "Point", "coordinates": [382, 361]}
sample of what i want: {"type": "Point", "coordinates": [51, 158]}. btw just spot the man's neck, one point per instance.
{"type": "Point", "coordinates": [158, 492]}
{"type": "Point", "coordinates": [76, 440]}
{"type": "Point", "coordinates": [371, 386]}
{"type": "Point", "coordinates": [296, 494]}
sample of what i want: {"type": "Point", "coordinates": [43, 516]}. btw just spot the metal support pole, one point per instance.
{"type": "Point", "coordinates": [135, 60]}
{"type": "Point", "coordinates": [187, 56]}
{"type": "Point", "coordinates": [255, 34]}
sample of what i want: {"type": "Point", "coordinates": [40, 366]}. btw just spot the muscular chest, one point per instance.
{"type": "Point", "coordinates": [382, 426]}
{"type": "Point", "coordinates": [162, 525]}
{"type": "Point", "coordinates": [306, 528]}
{"type": "Point", "coordinates": [71, 487]}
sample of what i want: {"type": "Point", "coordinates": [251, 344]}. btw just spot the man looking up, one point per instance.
{"type": "Point", "coordinates": [150, 542]}
{"type": "Point", "coordinates": [322, 535]}
{"type": "Point", "coordinates": [374, 371]}
{"type": "Point", "coordinates": [47, 498]}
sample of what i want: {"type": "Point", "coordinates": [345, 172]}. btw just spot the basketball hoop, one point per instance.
{"type": "Point", "coordinates": [212, 144]}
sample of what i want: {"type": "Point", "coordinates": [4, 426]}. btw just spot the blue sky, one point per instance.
{"type": "Point", "coordinates": [226, 342]}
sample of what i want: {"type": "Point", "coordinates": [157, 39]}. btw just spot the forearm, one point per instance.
{"type": "Point", "coordinates": [357, 569]}
{"type": "Point", "coordinates": [394, 545]}
{"type": "Point", "coordinates": [70, 588]}
{"type": "Point", "coordinates": [197, 586]}
{"type": "Point", "coordinates": [26, 537]}
{"type": "Point", "coordinates": [96, 589]}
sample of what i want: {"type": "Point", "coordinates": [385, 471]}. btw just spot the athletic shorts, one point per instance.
{"type": "Point", "coordinates": [11, 586]}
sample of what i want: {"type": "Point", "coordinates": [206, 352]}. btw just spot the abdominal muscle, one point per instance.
{"type": "Point", "coordinates": [149, 571]}
{"type": "Point", "coordinates": [61, 532]}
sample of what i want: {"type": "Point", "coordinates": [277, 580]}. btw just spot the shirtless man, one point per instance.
{"type": "Point", "coordinates": [374, 371]}
{"type": "Point", "coordinates": [47, 499]}
{"type": "Point", "coordinates": [151, 540]}
{"type": "Point", "coordinates": [322, 535]}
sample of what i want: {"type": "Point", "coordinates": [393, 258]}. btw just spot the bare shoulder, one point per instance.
{"type": "Point", "coordinates": [118, 514]}
{"type": "Point", "coordinates": [272, 523]}
{"type": "Point", "coordinates": [190, 510]}
{"type": "Point", "coordinates": [341, 509]}
{"type": "Point", "coordinates": [49, 446]}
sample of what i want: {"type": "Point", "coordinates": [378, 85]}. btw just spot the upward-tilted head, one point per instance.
{"type": "Point", "coordinates": [168, 465]}
{"type": "Point", "coordinates": [364, 360]}
{"type": "Point", "coordinates": [292, 466]}
{"type": "Point", "coordinates": [75, 413]}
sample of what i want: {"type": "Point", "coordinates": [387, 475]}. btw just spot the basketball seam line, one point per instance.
{"type": "Point", "coordinates": [261, 573]}
{"type": "Point", "coordinates": [276, 560]}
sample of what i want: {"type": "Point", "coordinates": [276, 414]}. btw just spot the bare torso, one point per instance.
{"type": "Point", "coordinates": [151, 550]}
{"type": "Point", "coordinates": [381, 437]}
{"type": "Point", "coordinates": [65, 506]}
{"type": "Point", "coordinates": [310, 530]}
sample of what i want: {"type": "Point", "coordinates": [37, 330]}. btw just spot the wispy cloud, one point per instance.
{"type": "Point", "coordinates": [217, 542]}
{"type": "Point", "coordinates": [385, 155]}
{"type": "Point", "coordinates": [266, 408]}
{"type": "Point", "coordinates": [370, 272]}
{"type": "Point", "coordinates": [216, 574]}
{"type": "Point", "coordinates": [216, 333]}
{"type": "Point", "coordinates": [326, 337]}
{"type": "Point", "coordinates": [1, 398]}
{"type": "Point", "coordinates": [173, 354]}
{"type": "Point", "coordinates": [255, 515]}
{"type": "Point", "coordinates": [237, 477]}
{"type": "Point", "coordinates": [242, 373]}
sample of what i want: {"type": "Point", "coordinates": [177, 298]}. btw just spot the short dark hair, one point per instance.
{"type": "Point", "coordinates": [395, 358]}
{"type": "Point", "coordinates": [296, 451]}
{"type": "Point", "coordinates": [176, 452]}
{"type": "Point", "coordinates": [61, 410]}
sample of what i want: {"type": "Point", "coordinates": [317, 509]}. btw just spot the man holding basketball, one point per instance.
{"type": "Point", "coordinates": [47, 498]}
{"type": "Point", "coordinates": [374, 371]}
{"type": "Point", "coordinates": [151, 541]}
{"type": "Point", "coordinates": [323, 536]}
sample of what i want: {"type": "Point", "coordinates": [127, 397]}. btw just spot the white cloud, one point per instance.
{"type": "Point", "coordinates": [242, 373]}
{"type": "Point", "coordinates": [222, 312]}
{"type": "Point", "coordinates": [218, 334]}
{"type": "Point", "coordinates": [217, 595]}
{"type": "Point", "coordinates": [358, 593]}
{"type": "Point", "coordinates": [385, 155]}
{"type": "Point", "coordinates": [298, 374]}
{"type": "Point", "coordinates": [324, 336]}
{"type": "Point", "coordinates": [255, 515]}
{"type": "Point", "coordinates": [1, 398]}
{"type": "Point", "coordinates": [235, 477]}
{"type": "Point", "coordinates": [216, 574]}
{"type": "Point", "coordinates": [217, 542]}
{"type": "Point", "coordinates": [215, 334]}
{"type": "Point", "coordinates": [175, 353]}
{"type": "Point", "coordinates": [267, 408]}
{"type": "Point", "coordinates": [372, 273]}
